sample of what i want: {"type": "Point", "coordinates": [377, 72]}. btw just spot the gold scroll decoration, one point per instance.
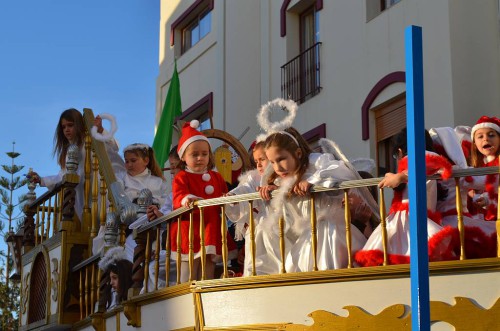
{"type": "Point", "coordinates": [465, 314]}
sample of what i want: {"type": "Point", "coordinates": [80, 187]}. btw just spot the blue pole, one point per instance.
{"type": "Point", "coordinates": [419, 263]}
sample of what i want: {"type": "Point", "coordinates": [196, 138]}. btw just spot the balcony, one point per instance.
{"type": "Point", "coordinates": [300, 77]}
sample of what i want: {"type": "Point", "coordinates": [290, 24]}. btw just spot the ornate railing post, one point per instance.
{"type": "Point", "coordinates": [70, 180]}
{"type": "Point", "coordinates": [29, 220]}
{"type": "Point", "coordinates": [144, 199]}
{"type": "Point", "coordinates": [111, 231]}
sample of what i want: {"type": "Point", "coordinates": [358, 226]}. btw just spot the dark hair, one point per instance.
{"type": "Point", "coordinates": [123, 268]}
{"type": "Point", "coordinates": [148, 152]}
{"type": "Point", "coordinates": [61, 143]}
{"type": "Point", "coordinates": [400, 141]}
{"type": "Point", "coordinates": [173, 153]}
{"type": "Point", "coordinates": [284, 141]}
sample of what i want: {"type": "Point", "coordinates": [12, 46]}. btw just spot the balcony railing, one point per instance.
{"type": "Point", "coordinates": [300, 77]}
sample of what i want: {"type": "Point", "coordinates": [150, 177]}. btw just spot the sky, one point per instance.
{"type": "Point", "coordinates": [60, 54]}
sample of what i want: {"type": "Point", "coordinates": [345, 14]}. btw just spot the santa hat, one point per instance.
{"type": "Point", "coordinates": [486, 122]}
{"type": "Point", "coordinates": [189, 135]}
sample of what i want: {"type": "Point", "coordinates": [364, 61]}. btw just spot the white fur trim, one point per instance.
{"type": "Point", "coordinates": [191, 140]}
{"type": "Point", "coordinates": [112, 256]}
{"type": "Point", "coordinates": [206, 177]}
{"type": "Point", "coordinates": [484, 125]}
{"type": "Point", "coordinates": [263, 117]}
{"type": "Point", "coordinates": [105, 136]}
{"type": "Point", "coordinates": [209, 189]}
{"type": "Point", "coordinates": [132, 147]}
{"type": "Point", "coordinates": [195, 124]}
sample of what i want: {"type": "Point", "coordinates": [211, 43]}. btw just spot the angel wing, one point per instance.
{"type": "Point", "coordinates": [329, 146]}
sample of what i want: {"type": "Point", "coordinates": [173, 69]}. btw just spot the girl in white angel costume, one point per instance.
{"type": "Point", "coordinates": [296, 170]}
{"type": "Point", "coordinates": [137, 171]}
{"type": "Point", "coordinates": [249, 182]}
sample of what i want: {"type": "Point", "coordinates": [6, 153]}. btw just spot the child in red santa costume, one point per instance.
{"type": "Point", "coordinates": [198, 181]}
{"type": "Point", "coordinates": [479, 240]}
{"type": "Point", "coordinates": [485, 151]}
{"type": "Point", "coordinates": [440, 240]}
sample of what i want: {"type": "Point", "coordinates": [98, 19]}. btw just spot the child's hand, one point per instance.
{"type": "Point", "coordinates": [481, 200]}
{"type": "Point", "coordinates": [302, 188]}
{"type": "Point", "coordinates": [188, 201]}
{"type": "Point", "coordinates": [153, 213]}
{"type": "Point", "coordinates": [98, 124]}
{"type": "Point", "coordinates": [265, 191]}
{"type": "Point", "coordinates": [393, 180]}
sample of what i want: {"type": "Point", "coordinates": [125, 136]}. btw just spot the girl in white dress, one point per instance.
{"type": "Point", "coordinates": [70, 130]}
{"type": "Point", "coordinates": [139, 170]}
{"type": "Point", "coordinates": [296, 170]}
{"type": "Point", "coordinates": [265, 246]}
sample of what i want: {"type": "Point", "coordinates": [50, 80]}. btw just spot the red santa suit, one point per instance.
{"type": "Point", "coordinates": [205, 185]}
{"type": "Point", "coordinates": [440, 240]}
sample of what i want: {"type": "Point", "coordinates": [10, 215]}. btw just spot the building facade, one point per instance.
{"type": "Point", "coordinates": [342, 61]}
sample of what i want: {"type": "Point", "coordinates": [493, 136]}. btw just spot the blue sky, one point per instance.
{"type": "Point", "coordinates": [58, 54]}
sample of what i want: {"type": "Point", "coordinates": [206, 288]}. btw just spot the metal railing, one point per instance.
{"type": "Point", "coordinates": [300, 77]}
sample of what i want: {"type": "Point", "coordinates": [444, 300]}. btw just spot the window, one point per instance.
{"type": "Point", "coordinates": [192, 26]}
{"type": "Point", "coordinates": [390, 119]}
{"type": "Point", "coordinates": [375, 7]}
{"type": "Point", "coordinates": [196, 30]}
{"type": "Point", "coordinates": [201, 111]}
{"type": "Point", "coordinates": [314, 135]}
{"type": "Point", "coordinates": [300, 77]}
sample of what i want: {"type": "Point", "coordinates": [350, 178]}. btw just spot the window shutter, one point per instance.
{"type": "Point", "coordinates": [390, 118]}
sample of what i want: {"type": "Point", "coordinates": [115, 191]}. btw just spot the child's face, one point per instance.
{"type": "Point", "coordinates": [174, 165]}
{"type": "Point", "coordinates": [113, 281]}
{"type": "Point", "coordinates": [284, 163]}
{"type": "Point", "coordinates": [68, 129]}
{"type": "Point", "coordinates": [487, 141]}
{"type": "Point", "coordinates": [260, 158]}
{"type": "Point", "coordinates": [135, 164]}
{"type": "Point", "coordinates": [197, 155]}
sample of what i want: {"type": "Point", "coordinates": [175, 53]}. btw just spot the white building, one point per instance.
{"type": "Point", "coordinates": [345, 61]}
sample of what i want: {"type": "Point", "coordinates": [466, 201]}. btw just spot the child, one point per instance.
{"type": "Point", "coordinates": [249, 182]}
{"type": "Point", "coordinates": [119, 268]}
{"type": "Point", "coordinates": [142, 172]}
{"type": "Point", "coordinates": [478, 233]}
{"type": "Point", "coordinates": [296, 169]}
{"type": "Point", "coordinates": [153, 212]}
{"type": "Point", "coordinates": [397, 222]}
{"type": "Point", "coordinates": [197, 181]}
{"type": "Point", "coordinates": [70, 130]}
{"type": "Point", "coordinates": [138, 171]}
{"type": "Point", "coordinates": [484, 153]}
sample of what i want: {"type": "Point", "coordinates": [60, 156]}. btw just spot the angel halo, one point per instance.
{"type": "Point", "coordinates": [106, 136]}
{"type": "Point", "coordinates": [264, 120]}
